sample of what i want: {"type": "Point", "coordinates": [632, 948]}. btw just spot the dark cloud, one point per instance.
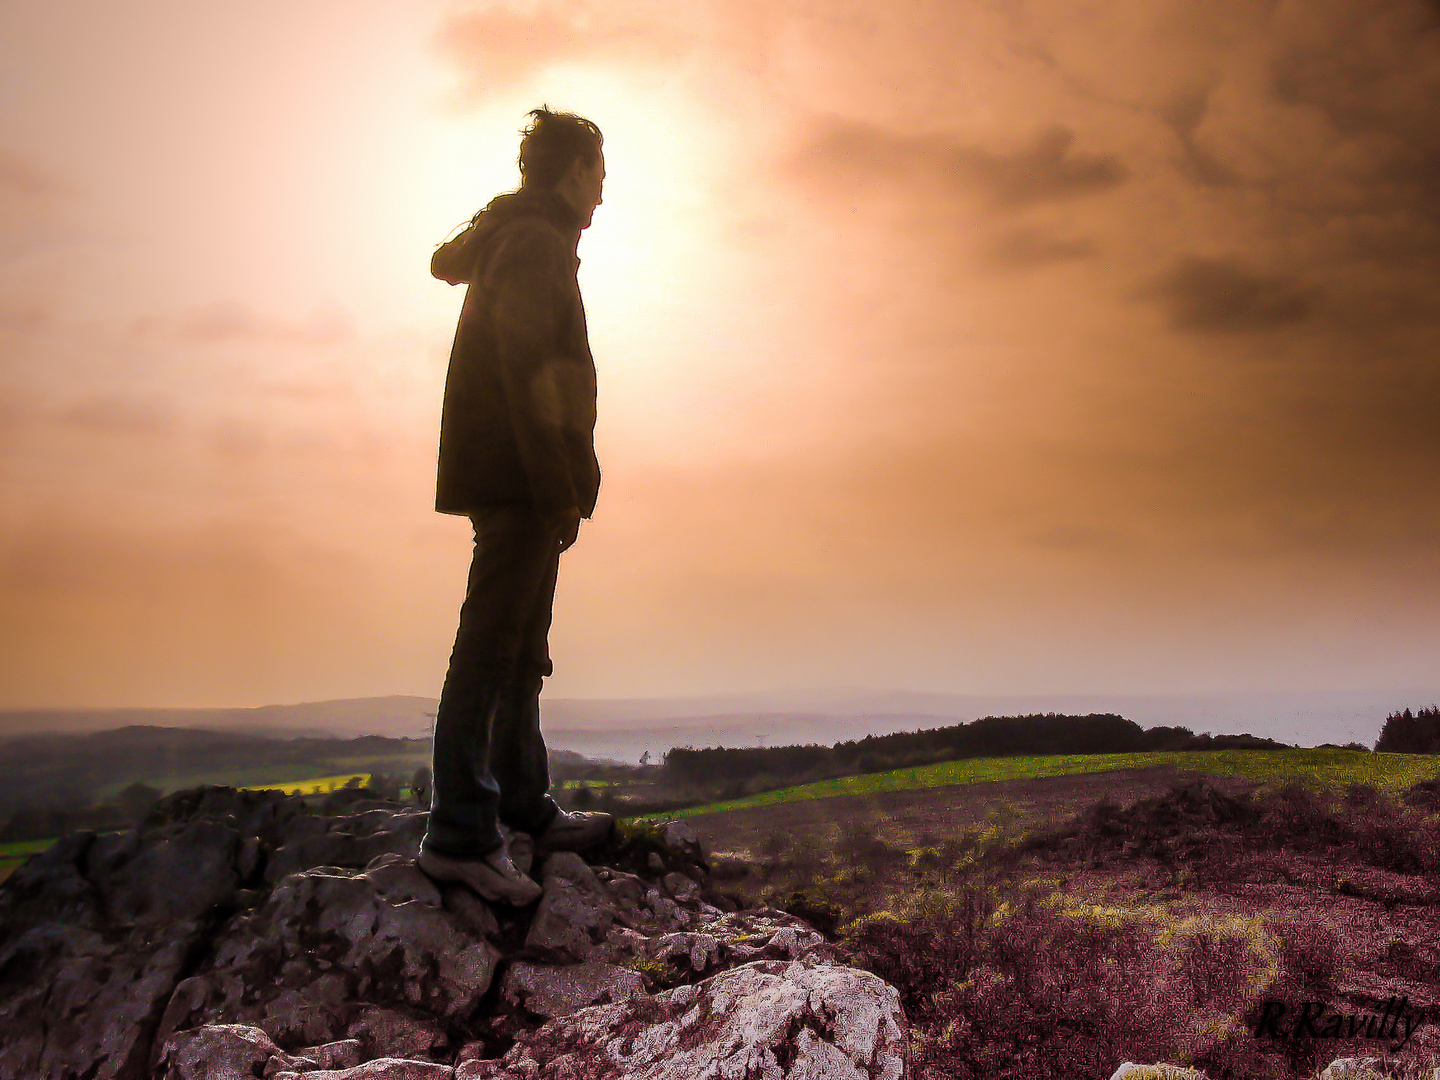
{"type": "Point", "coordinates": [1025, 249]}
{"type": "Point", "coordinates": [1373, 73]}
{"type": "Point", "coordinates": [1220, 295]}
{"type": "Point", "coordinates": [1183, 116]}
{"type": "Point", "coordinates": [1048, 169]}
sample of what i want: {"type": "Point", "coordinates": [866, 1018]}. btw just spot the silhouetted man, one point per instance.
{"type": "Point", "coordinates": [517, 456]}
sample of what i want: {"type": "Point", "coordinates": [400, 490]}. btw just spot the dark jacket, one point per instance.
{"type": "Point", "coordinates": [518, 420]}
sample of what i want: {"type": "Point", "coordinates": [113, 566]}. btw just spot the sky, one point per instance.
{"type": "Point", "coordinates": [984, 346]}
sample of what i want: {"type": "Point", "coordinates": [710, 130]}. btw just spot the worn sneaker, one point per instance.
{"type": "Point", "coordinates": [494, 876]}
{"type": "Point", "coordinates": [575, 831]}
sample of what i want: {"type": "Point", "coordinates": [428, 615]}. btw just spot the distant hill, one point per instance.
{"type": "Point", "coordinates": [397, 717]}
{"type": "Point", "coordinates": [624, 728]}
{"type": "Point", "coordinates": [79, 769]}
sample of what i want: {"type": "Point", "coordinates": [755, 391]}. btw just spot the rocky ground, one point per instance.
{"type": "Point", "coordinates": [239, 934]}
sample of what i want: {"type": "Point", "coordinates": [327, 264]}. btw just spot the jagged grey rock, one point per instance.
{"type": "Point", "coordinates": [681, 843]}
{"type": "Point", "coordinates": [549, 991]}
{"type": "Point", "coordinates": [218, 1052]}
{"type": "Point", "coordinates": [105, 926]}
{"type": "Point", "coordinates": [327, 940]}
{"type": "Point", "coordinates": [342, 1054]}
{"type": "Point", "coordinates": [770, 1019]}
{"type": "Point", "coordinates": [575, 912]}
{"type": "Point", "coordinates": [387, 1068]}
{"type": "Point", "coordinates": [1355, 1069]}
{"type": "Point", "coordinates": [1129, 1070]}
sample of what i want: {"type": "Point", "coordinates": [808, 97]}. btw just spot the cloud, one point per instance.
{"type": "Point", "coordinates": [1047, 169]}
{"type": "Point", "coordinates": [1184, 115]}
{"type": "Point", "coordinates": [120, 414]}
{"type": "Point", "coordinates": [28, 320]}
{"type": "Point", "coordinates": [30, 203]}
{"type": "Point", "coordinates": [1220, 295]}
{"type": "Point", "coordinates": [497, 46]}
{"type": "Point", "coordinates": [18, 178]}
{"type": "Point", "coordinates": [1026, 249]}
{"type": "Point", "coordinates": [1063, 537]}
{"type": "Point", "coordinates": [226, 322]}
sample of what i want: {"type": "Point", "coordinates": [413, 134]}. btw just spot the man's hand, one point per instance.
{"type": "Point", "coordinates": [567, 523]}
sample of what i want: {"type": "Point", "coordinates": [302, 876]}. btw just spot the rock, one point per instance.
{"type": "Point", "coordinates": [396, 1032]}
{"type": "Point", "coordinates": [217, 1052]}
{"type": "Point", "coordinates": [344, 1054]}
{"type": "Point", "coordinates": [358, 965]}
{"type": "Point", "coordinates": [269, 815]}
{"type": "Point", "coordinates": [386, 1068]}
{"type": "Point", "coordinates": [548, 991]}
{"type": "Point", "coordinates": [1355, 1069]}
{"type": "Point", "coordinates": [250, 858]}
{"type": "Point", "coordinates": [821, 1021]}
{"type": "Point", "coordinates": [50, 887]}
{"type": "Point", "coordinates": [574, 914]}
{"type": "Point", "coordinates": [699, 951]}
{"type": "Point", "coordinates": [681, 843]}
{"type": "Point", "coordinates": [398, 880]}
{"type": "Point", "coordinates": [680, 887]}
{"type": "Point", "coordinates": [731, 865]}
{"type": "Point", "coordinates": [665, 913]}
{"type": "Point", "coordinates": [351, 840]}
{"type": "Point", "coordinates": [473, 915]}
{"type": "Point", "coordinates": [184, 871]}
{"type": "Point", "coordinates": [327, 940]}
{"type": "Point", "coordinates": [1131, 1071]}
{"type": "Point", "coordinates": [56, 979]}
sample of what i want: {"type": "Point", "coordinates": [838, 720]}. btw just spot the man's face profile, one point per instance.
{"type": "Point", "coordinates": [588, 181]}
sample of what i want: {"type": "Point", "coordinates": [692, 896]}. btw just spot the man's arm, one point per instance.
{"type": "Point", "coordinates": [527, 283]}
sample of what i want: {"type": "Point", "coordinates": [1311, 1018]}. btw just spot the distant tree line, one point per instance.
{"type": "Point", "coordinates": [992, 736]}
{"type": "Point", "coordinates": [1411, 733]}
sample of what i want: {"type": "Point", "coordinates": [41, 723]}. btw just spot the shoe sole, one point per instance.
{"type": "Point", "coordinates": [444, 874]}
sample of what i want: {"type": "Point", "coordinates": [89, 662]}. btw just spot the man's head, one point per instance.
{"type": "Point", "coordinates": [561, 151]}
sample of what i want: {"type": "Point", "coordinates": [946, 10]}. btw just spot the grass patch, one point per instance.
{"type": "Point", "coordinates": [1008, 976]}
{"type": "Point", "coordinates": [1327, 770]}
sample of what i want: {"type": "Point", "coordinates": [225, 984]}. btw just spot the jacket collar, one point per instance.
{"type": "Point", "coordinates": [543, 202]}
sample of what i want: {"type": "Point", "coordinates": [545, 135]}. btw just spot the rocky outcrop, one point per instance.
{"type": "Point", "coordinates": [764, 1019]}
{"type": "Point", "coordinates": [239, 934]}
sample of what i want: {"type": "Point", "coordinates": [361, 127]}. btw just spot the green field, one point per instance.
{"type": "Point", "coordinates": [15, 852]}
{"type": "Point", "coordinates": [320, 785]}
{"type": "Point", "coordinates": [272, 776]}
{"type": "Point", "coordinates": [1328, 770]}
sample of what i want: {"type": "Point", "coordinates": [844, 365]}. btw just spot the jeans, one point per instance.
{"type": "Point", "coordinates": [489, 762]}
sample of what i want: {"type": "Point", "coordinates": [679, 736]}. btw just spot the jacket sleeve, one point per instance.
{"type": "Point", "coordinates": [526, 281]}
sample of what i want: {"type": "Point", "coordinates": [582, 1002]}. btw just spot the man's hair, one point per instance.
{"type": "Point", "coordinates": [552, 142]}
